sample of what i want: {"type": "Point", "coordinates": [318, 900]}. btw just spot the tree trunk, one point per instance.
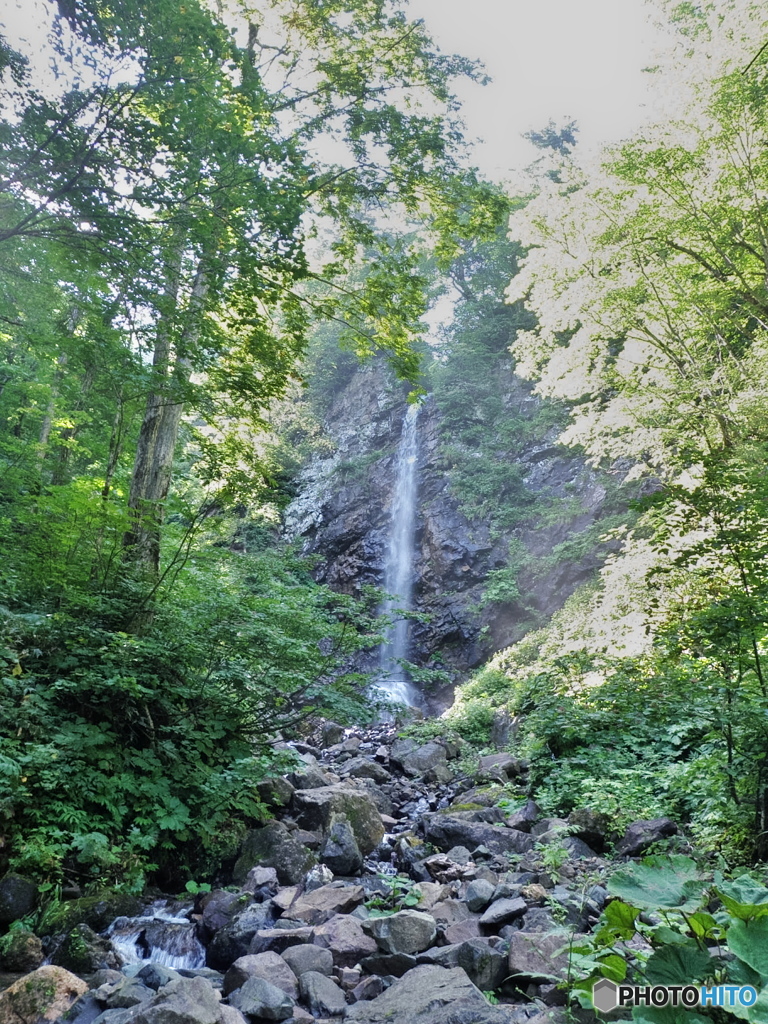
{"type": "Point", "coordinates": [151, 478]}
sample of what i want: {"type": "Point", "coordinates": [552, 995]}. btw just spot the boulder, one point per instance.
{"type": "Point", "coordinates": [234, 939]}
{"type": "Point", "coordinates": [279, 939]}
{"type": "Point", "coordinates": [502, 911]}
{"type": "Point", "coordinates": [22, 951]}
{"type": "Point", "coordinates": [310, 957]}
{"type": "Point", "coordinates": [156, 976]}
{"type": "Point", "coordinates": [217, 909]}
{"type": "Point", "coordinates": [273, 846]}
{"type": "Point", "coordinates": [127, 993]}
{"type": "Point", "coordinates": [322, 904]}
{"type": "Point", "coordinates": [594, 827]}
{"type": "Point", "coordinates": [417, 760]}
{"type": "Point", "coordinates": [318, 809]}
{"type": "Point", "coordinates": [82, 951]}
{"type": "Point", "coordinates": [479, 894]}
{"type": "Point", "coordinates": [499, 767]}
{"type": "Point", "coordinates": [364, 768]}
{"type": "Point", "coordinates": [229, 1015]}
{"type": "Point", "coordinates": [319, 876]}
{"type": "Point", "coordinates": [429, 995]}
{"type": "Point", "coordinates": [445, 831]}
{"type": "Point", "coordinates": [262, 883]}
{"type": "Point", "coordinates": [18, 897]}
{"type": "Point", "coordinates": [346, 940]}
{"type": "Point", "coordinates": [408, 931]}
{"type": "Point", "coordinates": [642, 834]}
{"type": "Point", "coordinates": [323, 996]}
{"type": "Point", "coordinates": [368, 988]}
{"type": "Point", "coordinates": [258, 998]}
{"type": "Point", "coordinates": [486, 967]}
{"type": "Point", "coordinates": [183, 1001]}
{"type": "Point", "coordinates": [331, 733]}
{"type": "Point", "coordinates": [525, 817]}
{"type": "Point", "coordinates": [275, 792]}
{"type": "Point", "coordinates": [459, 855]}
{"type": "Point", "coordinates": [389, 964]}
{"type": "Point", "coordinates": [269, 966]}
{"type": "Point", "coordinates": [462, 931]}
{"type": "Point", "coordinates": [43, 995]}
{"type": "Point", "coordinates": [340, 851]}
{"type": "Point", "coordinates": [539, 956]}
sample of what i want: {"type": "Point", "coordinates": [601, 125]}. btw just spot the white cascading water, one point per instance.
{"type": "Point", "coordinates": [398, 566]}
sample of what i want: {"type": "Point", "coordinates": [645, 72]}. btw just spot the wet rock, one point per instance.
{"type": "Point", "coordinates": [44, 995]}
{"type": "Point", "coordinates": [503, 911]}
{"type": "Point", "coordinates": [234, 939]}
{"type": "Point", "coordinates": [83, 951]}
{"type": "Point", "coordinates": [273, 846]}
{"type": "Point", "coordinates": [309, 958]}
{"type": "Point", "coordinates": [318, 808]}
{"type": "Point", "coordinates": [479, 895]}
{"type": "Point", "coordinates": [642, 834]}
{"type": "Point", "coordinates": [275, 792]}
{"type": "Point", "coordinates": [258, 998]}
{"type": "Point", "coordinates": [322, 904]}
{"type": "Point", "coordinates": [429, 995]}
{"type": "Point", "coordinates": [18, 897]}
{"type": "Point", "coordinates": [539, 956]}
{"type": "Point", "coordinates": [340, 851]}
{"type": "Point", "coordinates": [486, 967]}
{"type": "Point", "coordinates": [323, 997]}
{"type": "Point", "coordinates": [346, 940]}
{"type": "Point", "coordinates": [22, 951]}
{"type": "Point", "coordinates": [445, 831]}
{"type": "Point", "coordinates": [408, 931]}
{"type": "Point", "coordinates": [269, 966]}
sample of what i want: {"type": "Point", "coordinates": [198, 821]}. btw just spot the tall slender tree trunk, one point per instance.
{"type": "Point", "coordinates": [153, 465]}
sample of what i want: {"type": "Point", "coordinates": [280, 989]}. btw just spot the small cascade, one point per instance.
{"type": "Point", "coordinates": [398, 566]}
{"type": "Point", "coordinates": [163, 935]}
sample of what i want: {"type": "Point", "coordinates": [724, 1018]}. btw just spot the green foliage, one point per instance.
{"type": "Point", "coordinates": [126, 753]}
{"type": "Point", "coordinates": [400, 895]}
{"type": "Point", "coordinates": [684, 945]}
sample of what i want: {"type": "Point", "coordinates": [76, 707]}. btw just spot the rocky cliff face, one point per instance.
{"type": "Point", "coordinates": [343, 514]}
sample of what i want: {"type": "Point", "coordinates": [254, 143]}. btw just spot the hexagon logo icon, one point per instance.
{"type": "Point", "coordinates": [605, 995]}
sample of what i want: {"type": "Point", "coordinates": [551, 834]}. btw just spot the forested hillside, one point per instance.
{"type": "Point", "coordinates": [245, 262]}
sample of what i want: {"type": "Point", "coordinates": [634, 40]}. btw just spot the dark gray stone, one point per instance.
{"type": "Point", "coordinates": [270, 966]}
{"type": "Point", "coordinates": [642, 834]}
{"type": "Point", "coordinates": [340, 851]}
{"type": "Point", "coordinates": [408, 931]}
{"type": "Point", "coordinates": [273, 846]}
{"type": "Point", "coordinates": [503, 911]}
{"type": "Point", "coordinates": [234, 939]}
{"type": "Point", "coordinates": [18, 897]}
{"type": "Point", "coordinates": [445, 831]}
{"type": "Point", "coordinates": [258, 998]}
{"type": "Point", "coordinates": [486, 967]}
{"type": "Point", "coordinates": [308, 958]}
{"type": "Point", "coordinates": [322, 995]}
{"type": "Point", "coordinates": [479, 894]}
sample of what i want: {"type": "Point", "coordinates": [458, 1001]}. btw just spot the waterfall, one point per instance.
{"type": "Point", "coordinates": [398, 565]}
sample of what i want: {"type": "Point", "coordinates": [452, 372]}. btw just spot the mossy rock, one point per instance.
{"type": "Point", "coordinates": [454, 808]}
{"type": "Point", "coordinates": [21, 950]}
{"type": "Point", "coordinates": [83, 952]}
{"type": "Point", "coordinates": [98, 912]}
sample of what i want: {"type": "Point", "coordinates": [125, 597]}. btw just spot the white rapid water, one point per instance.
{"type": "Point", "coordinates": [398, 566]}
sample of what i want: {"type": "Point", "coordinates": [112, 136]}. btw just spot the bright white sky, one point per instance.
{"type": "Point", "coordinates": [563, 59]}
{"type": "Point", "coordinates": [560, 59]}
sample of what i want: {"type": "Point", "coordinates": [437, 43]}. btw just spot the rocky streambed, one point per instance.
{"type": "Point", "coordinates": [395, 884]}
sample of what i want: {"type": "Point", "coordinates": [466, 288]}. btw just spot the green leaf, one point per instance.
{"type": "Point", "coordinates": [613, 967]}
{"type": "Point", "coordinates": [703, 925]}
{"type": "Point", "coordinates": [744, 898]}
{"type": "Point", "coordinates": [667, 1015]}
{"type": "Point", "coordinates": [659, 883]}
{"type": "Point", "coordinates": [749, 941]}
{"type": "Point", "coordinates": [678, 965]}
